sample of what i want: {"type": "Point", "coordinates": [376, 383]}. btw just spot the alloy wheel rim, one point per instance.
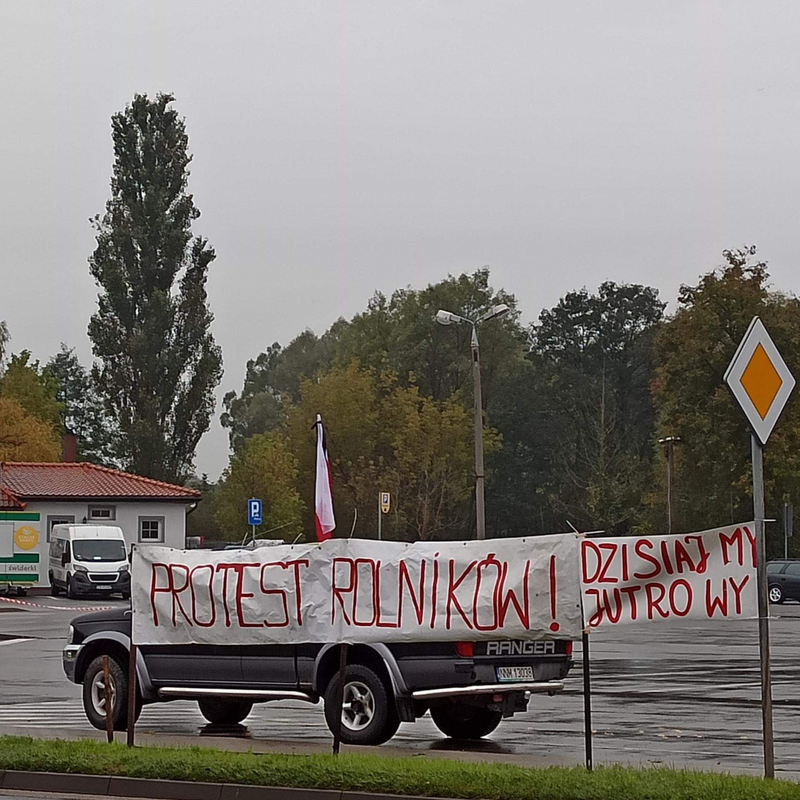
{"type": "Point", "coordinates": [99, 694]}
{"type": "Point", "coordinates": [774, 594]}
{"type": "Point", "coordinates": [358, 706]}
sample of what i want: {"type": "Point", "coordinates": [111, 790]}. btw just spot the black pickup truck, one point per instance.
{"type": "Point", "coordinates": [468, 687]}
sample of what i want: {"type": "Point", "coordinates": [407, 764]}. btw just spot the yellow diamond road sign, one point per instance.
{"type": "Point", "coordinates": [760, 380]}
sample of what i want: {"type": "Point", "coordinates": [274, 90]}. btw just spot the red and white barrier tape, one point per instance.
{"type": "Point", "coordinates": [29, 604]}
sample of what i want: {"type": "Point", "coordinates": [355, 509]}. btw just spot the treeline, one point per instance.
{"type": "Point", "coordinates": [574, 403]}
{"type": "Point", "coordinates": [574, 407]}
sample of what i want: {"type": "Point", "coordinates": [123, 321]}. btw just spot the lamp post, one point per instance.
{"type": "Point", "coordinates": [448, 318]}
{"type": "Point", "coordinates": [669, 442]}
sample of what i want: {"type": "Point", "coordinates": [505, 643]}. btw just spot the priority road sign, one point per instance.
{"type": "Point", "coordinates": [255, 512]}
{"type": "Point", "coordinates": [760, 380]}
{"type": "Point", "coordinates": [761, 383]}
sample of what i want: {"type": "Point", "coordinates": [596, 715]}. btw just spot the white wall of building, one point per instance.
{"type": "Point", "coordinates": [128, 516]}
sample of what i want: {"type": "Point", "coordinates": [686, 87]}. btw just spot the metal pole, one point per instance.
{"type": "Point", "coordinates": [787, 525]}
{"type": "Point", "coordinates": [480, 513]}
{"type": "Point", "coordinates": [379, 516]}
{"type": "Point", "coordinates": [670, 444]}
{"type": "Point", "coordinates": [131, 694]}
{"type": "Point", "coordinates": [587, 702]}
{"type": "Point", "coordinates": [337, 733]}
{"type": "Point", "coordinates": [763, 608]}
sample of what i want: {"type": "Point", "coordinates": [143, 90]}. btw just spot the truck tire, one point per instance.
{"type": "Point", "coordinates": [94, 699]}
{"type": "Point", "coordinates": [70, 589]}
{"type": "Point", "coordinates": [369, 714]}
{"type": "Point", "coordinates": [54, 591]}
{"type": "Point", "coordinates": [461, 721]}
{"type": "Point", "coordinates": [224, 712]}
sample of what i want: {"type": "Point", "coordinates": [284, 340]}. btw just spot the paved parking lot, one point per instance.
{"type": "Point", "coordinates": [665, 694]}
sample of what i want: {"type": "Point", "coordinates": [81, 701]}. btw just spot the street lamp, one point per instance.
{"type": "Point", "coordinates": [448, 318]}
{"type": "Point", "coordinates": [669, 442]}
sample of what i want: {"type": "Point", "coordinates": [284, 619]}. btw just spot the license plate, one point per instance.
{"type": "Point", "coordinates": [514, 673]}
{"type": "Point", "coordinates": [103, 587]}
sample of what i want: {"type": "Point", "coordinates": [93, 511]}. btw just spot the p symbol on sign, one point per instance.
{"type": "Point", "coordinates": [254, 512]}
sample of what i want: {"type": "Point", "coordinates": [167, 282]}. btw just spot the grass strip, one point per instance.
{"type": "Point", "coordinates": [409, 776]}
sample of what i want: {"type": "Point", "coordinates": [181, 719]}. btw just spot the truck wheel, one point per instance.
{"type": "Point", "coordinates": [462, 721]}
{"type": "Point", "coordinates": [94, 701]}
{"type": "Point", "coordinates": [369, 715]}
{"type": "Point", "coordinates": [224, 712]}
{"type": "Point", "coordinates": [70, 588]}
{"type": "Point", "coordinates": [54, 592]}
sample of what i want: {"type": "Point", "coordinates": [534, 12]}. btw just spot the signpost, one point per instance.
{"type": "Point", "coordinates": [384, 503]}
{"type": "Point", "coordinates": [788, 527]}
{"type": "Point", "coordinates": [255, 514]}
{"type": "Point", "coordinates": [761, 383]}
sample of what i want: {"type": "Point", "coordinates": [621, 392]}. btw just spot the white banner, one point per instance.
{"type": "Point", "coordinates": [708, 575]}
{"type": "Point", "coordinates": [359, 591]}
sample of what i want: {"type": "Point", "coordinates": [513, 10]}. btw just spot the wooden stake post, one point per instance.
{"type": "Point", "coordinates": [131, 694]}
{"type": "Point", "coordinates": [109, 705]}
{"type": "Point", "coordinates": [339, 703]}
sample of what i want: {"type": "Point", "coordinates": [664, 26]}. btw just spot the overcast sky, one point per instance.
{"type": "Point", "coordinates": [343, 147]}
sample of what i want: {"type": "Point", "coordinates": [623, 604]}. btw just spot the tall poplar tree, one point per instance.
{"type": "Point", "coordinates": [158, 362]}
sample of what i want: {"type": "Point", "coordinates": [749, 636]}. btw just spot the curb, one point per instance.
{"type": "Point", "coordinates": [112, 786]}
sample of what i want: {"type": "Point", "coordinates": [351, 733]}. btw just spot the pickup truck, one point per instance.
{"type": "Point", "coordinates": [467, 687]}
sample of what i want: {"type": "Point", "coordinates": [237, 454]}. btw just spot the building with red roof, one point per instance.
{"type": "Point", "coordinates": [36, 496]}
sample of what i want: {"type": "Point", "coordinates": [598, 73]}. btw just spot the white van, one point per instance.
{"type": "Point", "coordinates": [88, 559]}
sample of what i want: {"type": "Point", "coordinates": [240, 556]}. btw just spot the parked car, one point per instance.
{"type": "Point", "coordinates": [467, 687]}
{"type": "Point", "coordinates": [783, 579]}
{"type": "Point", "coordinates": [88, 559]}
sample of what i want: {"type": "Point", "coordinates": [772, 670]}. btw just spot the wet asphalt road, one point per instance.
{"type": "Point", "coordinates": [667, 694]}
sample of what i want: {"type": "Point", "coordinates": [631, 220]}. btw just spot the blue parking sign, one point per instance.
{"type": "Point", "coordinates": [255, 512]}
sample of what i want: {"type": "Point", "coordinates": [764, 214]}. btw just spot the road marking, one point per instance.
{"type": "Point", "coordinates": [16, 641]}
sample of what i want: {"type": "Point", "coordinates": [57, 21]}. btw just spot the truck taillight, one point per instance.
{"type": "Point", "coordinates": [465, 649]}
{"type": "Point", "coordinates": [569, 648]}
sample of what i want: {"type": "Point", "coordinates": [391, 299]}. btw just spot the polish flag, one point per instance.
{"type": "Point", "coordinates": [323, 498]}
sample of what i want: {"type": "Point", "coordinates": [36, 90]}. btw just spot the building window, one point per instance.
{"type": "Point", "coordinates": [151, 530]}
{"type": "Point", "coordinates": [102, 513]}
{"type": "Point", "coordinates": [62, 519]}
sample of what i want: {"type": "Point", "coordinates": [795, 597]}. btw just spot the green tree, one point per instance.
{"type": "Point", "coordinates": [348, 400]}
{"type": "Point", "coordinates": [263, 467]}
{"type": "Point", "coordinates": [159, 363]}
{"type": "Point", "coordinates": [386, 437]}
{"type": "Point", "coordinates": [400, 335]}
{"type": "Point", "coordinates": [201, 521]}
{"type": "Point", "coordinates": [579, 417]}
{"type": "Point", "coordinates": [694, 348]}
{"type": "Point", "coordinates": [24, 436]}
{"type": "Point", "coordinates": [82, 410]}
{"type": "Point", "coordinates": [397, 335]}
{"type": "Point", "coordinates": [5, 338]}
{"type": "Point", "coordinates": [34, 388]}
{"type": "Point", "coordinates": [272, 383]}
{"type": "Point", "coordinates": [434, 463]}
